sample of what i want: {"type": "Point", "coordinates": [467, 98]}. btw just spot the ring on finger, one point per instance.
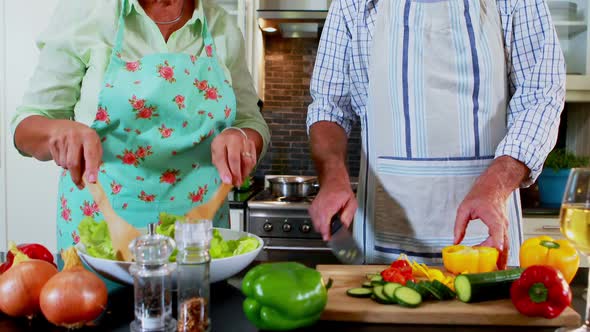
{"type": "Point", "coordinates": [247, 154]}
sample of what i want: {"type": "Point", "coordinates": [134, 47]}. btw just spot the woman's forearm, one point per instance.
{"type": "Point", "coordinates": [255, 137]}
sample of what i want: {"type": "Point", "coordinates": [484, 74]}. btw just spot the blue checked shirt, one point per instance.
{"type": "Point", "coordinates": [535, 65]}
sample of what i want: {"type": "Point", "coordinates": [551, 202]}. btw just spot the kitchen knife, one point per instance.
{"type": "Point", "coordinates": [343, 245]}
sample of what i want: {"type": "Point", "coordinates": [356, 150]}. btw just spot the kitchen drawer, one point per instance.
{"type": "Point", "coordinates": [541, 226]}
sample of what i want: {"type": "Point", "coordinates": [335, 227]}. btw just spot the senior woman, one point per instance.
{"type": "Point", "coordinates": [152, 98]}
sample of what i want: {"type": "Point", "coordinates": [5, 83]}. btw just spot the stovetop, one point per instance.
{"type": "Point", "coordinates": [265, 200]}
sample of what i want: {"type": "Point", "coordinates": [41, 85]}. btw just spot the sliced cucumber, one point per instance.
{"type": "Point", "coordinates": [371, 275]}
{"type": "Point", "coordinates": [378, 283]}
{"type": "Point", "coordinates": [432, 291]}
{"type": "Point", "coordinates": [407, 297]}
{"type": "Point", "coordinates": [446, 292]}
{"type": "Point", "coordinates": [359, 292]}
{"type": "Point", "coordinates": [380, 297]}
{"type": "Point", "coordinates": [485, 286]}
{"type": "Point", "coordinates": [389, 290]}
{"type": "Point", "coordinates": [376, 277]}
{"type": "Point", "coordinates": [367, 284]}
{"type": "Point", "coordinates": [423, 291]}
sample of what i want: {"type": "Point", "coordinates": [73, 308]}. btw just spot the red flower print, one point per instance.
{"type": "Point", "coordinates": [146, 113]}
{"type": "Point", "coordinates": [211, 132]}
{"type": "Point", "coordinates": [195, 165]}
{"type": "Point", "coordinates": [137, 104]}
{"type": "Point", "coordinates": [115, 188]}
{"type": "Point", "coordinates": [89, 209]}
{"type": "Point", "coordinates": [137, 82]}
{"type": "Point", "coordinates": [118, 55]}
{"type": "Point", "coordinates": [201, 112]}
{"type": "Point", "coordinates": [66, 214]}
{"type": "Point", "coordinates": [210, 115]}
{"type": "Point", "coordinates": [139, 178]}
{"type": "Point", "coordinates": [174, 153]}
{"type": "Point", "coordinates": [137, 131]}
{"type": "Point", "coordinates": [75, 237]}
{"type": "Point", "coordinates": [108, 85]}
{"type": "Point", "coordinates": [133, 66]}
{"type": "Point", "coordinates": [125, 205]}
{"type": "Point", "coordinates": [165, 132]}
{"type": "Point", "coordinates": [187, 72]}
{"type": "Point", "coordinates": [212, 94]}
{"type": "Point", "coordinates": [227, 112]}
{"type": "Point", "coordinates": [129, 158]}
{"type": "Point", "coordinates": [146, 198]}
{"type": "Point", "coordinates": [170, 176]}
{"type": "Point", "coordinates": [143, 152]}
{"type": "Point", "coordinates": [103, 115]}
{"type": "Point", "coordinates": [184, 124]}
{"type": "Point", "coordinates": [103, 139]}
{"type": "Point", "coordinates": [179, 100]}
{"type": "Point", "coordinates": [166, 72]}
{"type": "Point", "coordinates": [128, 130]}
{"type": "Point", "coordinates": [193, 58]}
{"type": "Point", "coordinates": [209, 50]}
{"type": "Point", "coordinates": [197, 197]}
{"type": "Point", "coordinates": [64, 202]}
{"type": "Point", "coordinates": [172, 198]}
{"type": "Point", "coordinates": [72, 190]}
{"type": "Point", "coordinates": [201, 85]}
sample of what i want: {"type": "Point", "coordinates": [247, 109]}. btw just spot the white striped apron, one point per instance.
{"type": "Point", "coordinates": [436, 113]}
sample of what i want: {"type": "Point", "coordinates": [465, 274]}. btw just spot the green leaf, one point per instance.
{"type": "Point", "coordinates": [563, 159]}
{"type": "Point", "coordinates": [95, 237]}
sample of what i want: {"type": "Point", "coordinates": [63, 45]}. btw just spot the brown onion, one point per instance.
{"type": "Point", "coordinates": [74, 297]}
{"type": "Point", "coordinates": [20, 287]}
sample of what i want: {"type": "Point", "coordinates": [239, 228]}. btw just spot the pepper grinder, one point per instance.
{"type": "Point", "coordinates": [152, 279]}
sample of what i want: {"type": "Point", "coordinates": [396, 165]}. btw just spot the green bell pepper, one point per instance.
{"type": "Point", "coordinates": [284, 296]}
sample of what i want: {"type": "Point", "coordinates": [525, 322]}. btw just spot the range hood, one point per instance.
{"type": "Point", "coordinates": [293, 18]}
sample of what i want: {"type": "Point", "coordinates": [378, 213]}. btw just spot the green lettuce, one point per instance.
{"type": "Point", "coordinates": [95, 236]}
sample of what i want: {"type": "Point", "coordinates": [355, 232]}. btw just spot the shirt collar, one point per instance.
{"type": "Point", "coordinates": [195, 21]}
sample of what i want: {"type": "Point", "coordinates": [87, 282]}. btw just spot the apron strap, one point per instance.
{"type": "Point", "coordinates": [207, 38]}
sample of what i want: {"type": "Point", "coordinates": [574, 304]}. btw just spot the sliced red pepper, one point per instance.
{"type": "Point", "coordinates": [33, 251]}
{"type": "Point", "coordinates": [393, 275]}
{"type": "Point", "coordinates": [402, 265]}
{"type": "Point", "coordinates": [541, 291]}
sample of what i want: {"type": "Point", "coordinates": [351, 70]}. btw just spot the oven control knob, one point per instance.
{"type": "Point", "coordinates": [267, 227]}
{"type": "Point", "coordinates": [305, 228]}
{"type": "Point", "coordinates": [287, 228]}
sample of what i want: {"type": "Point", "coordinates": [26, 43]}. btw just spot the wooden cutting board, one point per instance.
{"type": "Point", "coordinates": [345, 308]}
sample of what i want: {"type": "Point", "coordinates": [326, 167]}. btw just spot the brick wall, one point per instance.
{"type": "Point", "coordinates": [289, 66]}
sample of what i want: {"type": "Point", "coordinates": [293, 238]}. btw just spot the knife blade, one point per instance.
{"type": "Point", "coordinates": [343, 245]}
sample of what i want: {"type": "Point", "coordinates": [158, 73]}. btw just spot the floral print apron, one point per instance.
{"type": "Point", "coordinates": [157, 117]}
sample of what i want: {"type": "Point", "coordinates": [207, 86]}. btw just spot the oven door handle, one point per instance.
{"type": "Point", "coordinates": [285, 248]}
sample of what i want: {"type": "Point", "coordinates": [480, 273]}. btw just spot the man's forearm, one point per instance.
{"type": "Point", "coordinates": [328, 150]}
{"type": "Point", "coordinates": [504, 175]}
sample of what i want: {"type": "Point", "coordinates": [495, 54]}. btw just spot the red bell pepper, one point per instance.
{"type": "Point", "coordinates": [32, 250]}
{"type": "Point", "coordinates": [402, 265]}
{"type": "Point", "coordinates": [541, 291]}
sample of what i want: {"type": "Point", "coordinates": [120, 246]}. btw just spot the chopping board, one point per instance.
{"type": "Point", "coordinates": [342, 307]}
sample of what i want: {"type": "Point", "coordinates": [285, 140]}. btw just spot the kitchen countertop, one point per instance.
{"type": "Point", "coordinates": [227, 315]}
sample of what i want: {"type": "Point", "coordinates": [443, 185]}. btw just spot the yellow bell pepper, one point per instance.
{"type": "Point", "coordinates": [459, 259]}
{"type": "Point", "coordinates": [544, 250]}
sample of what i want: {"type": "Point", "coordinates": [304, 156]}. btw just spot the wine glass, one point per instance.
{"type": "Point", "coordinates": [575, 224]}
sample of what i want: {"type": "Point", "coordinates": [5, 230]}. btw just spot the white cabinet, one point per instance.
{"type": "Point", "coordinates": [571, 19]}
{"type": "Point", "coordinates": [236, 219]}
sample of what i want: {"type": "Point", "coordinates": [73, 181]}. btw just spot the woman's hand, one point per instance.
{"type": "Point", "coordinates": [234, 155]}
{"type": "Point", "coordinates": [77, 148]}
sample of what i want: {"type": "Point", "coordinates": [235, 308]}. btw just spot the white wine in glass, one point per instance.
{"type": "Point", "coordinates": [575, 224]}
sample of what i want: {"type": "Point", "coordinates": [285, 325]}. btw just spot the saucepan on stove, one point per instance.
{"type": "Point", "coordinates": [293, 186]}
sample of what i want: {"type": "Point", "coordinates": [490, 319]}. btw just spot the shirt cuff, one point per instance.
{"type": "Point", "coordinates": [315, 116]}
{"type": "Point", "coordinates": [527, 154]}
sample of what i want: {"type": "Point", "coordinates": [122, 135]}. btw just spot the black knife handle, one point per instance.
{"type": "Point", "coordinates": [336, 224]}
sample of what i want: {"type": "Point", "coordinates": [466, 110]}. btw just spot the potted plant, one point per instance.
{"type": "Point", "coordinates": [553, 179]}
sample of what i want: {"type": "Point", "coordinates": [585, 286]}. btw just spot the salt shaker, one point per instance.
{"type": "Point", "coordinates": [193, 260]}
{"type": "Point", "coordinates": [152, 276]}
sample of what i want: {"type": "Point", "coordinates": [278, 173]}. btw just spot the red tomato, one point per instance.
{"type": "Point", "coordinates": [402, 265]}
{"type": "Point", "coordinates": [393, 275]}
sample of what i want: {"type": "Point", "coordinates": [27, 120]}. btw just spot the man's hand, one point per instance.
{"type": "Point", "coordinates": [335, 197]}
{"type": "Point", "coordinates": [487, 201]}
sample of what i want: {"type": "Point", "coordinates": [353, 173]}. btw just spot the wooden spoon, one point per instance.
{"type": "Point", "coordinates": [208, 210]}
{"type": "Point", "coordinates": [121, 232]}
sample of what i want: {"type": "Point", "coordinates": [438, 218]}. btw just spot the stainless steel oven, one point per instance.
{"type": "Point", "coordinates": [286, 228]}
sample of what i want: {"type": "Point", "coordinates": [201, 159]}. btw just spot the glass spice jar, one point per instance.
{"type": "Point", "coordinates": [193, 239]}
{"type": "Point", "coordinates": [152, 276]}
